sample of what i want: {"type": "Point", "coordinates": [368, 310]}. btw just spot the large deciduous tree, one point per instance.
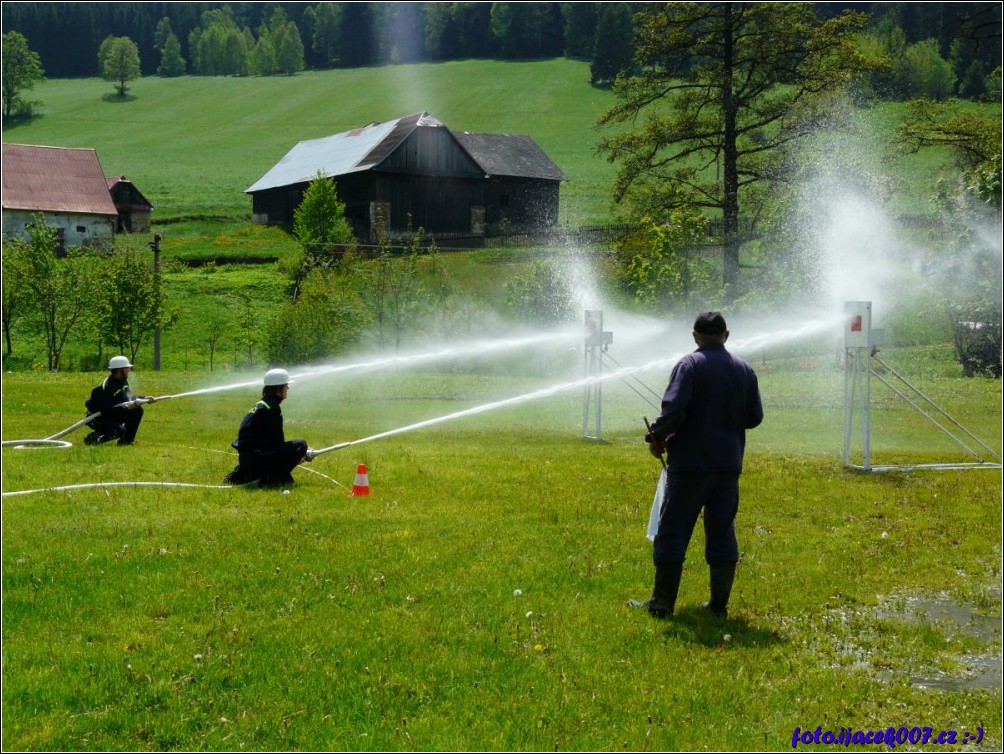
{"type": "Point", "coordinates": [22, 69]}
{"type": "Point", "coordinates": [723, 90]}
{"type": "Point", "coordinates": [119, 59]}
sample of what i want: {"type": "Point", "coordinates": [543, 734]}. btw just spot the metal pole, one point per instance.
{"type": "Point", "coordinates": [155, 245]}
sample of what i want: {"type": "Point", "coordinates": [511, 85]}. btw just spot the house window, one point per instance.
{"type": "Point", "coordinates": [81, 229]}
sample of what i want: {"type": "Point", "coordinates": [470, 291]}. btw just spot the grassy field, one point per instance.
{"type": "Point", "coordinates": [193, 144]}
{"type": "Point", "coordinates": [476, 600]}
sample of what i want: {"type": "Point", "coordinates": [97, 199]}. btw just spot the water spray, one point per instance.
{"type": "Point", "coordinates": [391, 362]}
{"type": "Point", "coordinates": [752, 343]}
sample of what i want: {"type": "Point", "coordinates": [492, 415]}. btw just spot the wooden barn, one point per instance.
{"type": "Point", "coordinates": [133, 208]}
{"type": "Point", "coordinates": [66, 186]}
{"type": "Point", "coordinates": [415, 172]}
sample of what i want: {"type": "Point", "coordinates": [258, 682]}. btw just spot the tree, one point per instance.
{"type": "Point", "coordinates": [611, 52]}
{"type": "Point", "coordinates": [327, 318]}
{"type": "Point", "coordinates": [724, 89]}
{"type": "Point", "coordinates": [319, 222]}
{"type": "Point", "coordinates": [119, 62]}
{"type": "Point", "coordinates": [516, 26]}
{"type": "Point", "coordinates": [16, 298]}
{"type": "Point", "coordinates": [973, 136]}
{"type": "Point", "coordinates": [219, 47]}
{"type": "Point", "coordinates": [171, 62]}
{"type": "Point", "coordinates": [60, 288]}
{"type": "Point", "coordinates": [131, 305]}
{"type": "Point", "coordinates": [325, 20]}
{"type": "Point", "coordinates": [22, 69]}
{"type": "Point", "coordinates": [580, 29]}
{"type": "Point", "coordinates": [924, 73]}
{"type": "Point", "coordinates": [541, 297]}
{"type": "Point", "coordinates": [279, 48]}
{"type": "Point", "coordinates": [658, 261]}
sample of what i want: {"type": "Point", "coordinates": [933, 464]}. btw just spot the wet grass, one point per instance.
{"type": "Point", "coordinates": [476, 600]}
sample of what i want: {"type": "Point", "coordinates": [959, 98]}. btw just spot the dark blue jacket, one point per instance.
{"type": "Point", "coordinates": [108, 397]}
{"type": "Point", "coordinates": [711, 400]}
{"type": "Point", "coordinates": [261, 428]}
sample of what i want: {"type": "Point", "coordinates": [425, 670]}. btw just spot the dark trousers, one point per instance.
{"type": "Point", "coordinates": [122, 424]}
{"type": "Point", "coordinates": [686, 495]}
{"type": "Point", "coordinates": [273, 466]}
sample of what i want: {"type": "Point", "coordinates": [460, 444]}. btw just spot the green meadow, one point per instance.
{"type": "Point", "coordinates": [476, 599]}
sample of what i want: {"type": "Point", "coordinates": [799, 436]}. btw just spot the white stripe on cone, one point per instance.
{"type": "Point", "coordinates": [362, 484]}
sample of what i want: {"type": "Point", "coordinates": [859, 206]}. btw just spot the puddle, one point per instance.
{"type": "Point", "coordinates": [981, 670]}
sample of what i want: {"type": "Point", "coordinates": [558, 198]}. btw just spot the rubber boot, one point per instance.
{"type": "Point", "coordinates": [722, 576]}
{"type": "Point", "coordinates": [667, 586]}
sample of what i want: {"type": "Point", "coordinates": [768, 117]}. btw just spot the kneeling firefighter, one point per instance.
{"type": "Point", "coordinates": [263, 453]}
{"type": "Point", "coordinates": [121, 412]}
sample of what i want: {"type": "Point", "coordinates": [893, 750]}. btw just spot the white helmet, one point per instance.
{"type": "Point", "coordinates": [277, 377]}
{"type": "Point", "coordinates": [118, 362]}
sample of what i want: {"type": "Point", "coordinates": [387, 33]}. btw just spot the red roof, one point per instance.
{"type": "Point", "coordinates": [54, 179]}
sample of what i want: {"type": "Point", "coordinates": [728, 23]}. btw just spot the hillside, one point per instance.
{"type": "Point", "coordinates": [194, 144]}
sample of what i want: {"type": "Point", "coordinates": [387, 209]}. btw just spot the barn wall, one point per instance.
{"type": "Point", "coordinates": [432, 152]}
{"type": "Point", "coordinates": [75, 229]}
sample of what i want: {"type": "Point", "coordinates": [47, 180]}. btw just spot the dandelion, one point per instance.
{"type": "Point", "coordinates": [529, 613]}
{"type": "Point", "coordinates": [538, 648]}
{"type": "Point", "coordinates": [885, 535]}
{"type": "Point", "coordinates": [517, 592]}
{"type": "Point", "coordinates": [198, 658]}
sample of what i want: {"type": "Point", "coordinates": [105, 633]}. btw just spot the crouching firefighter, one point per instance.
{"type": "Point", "coordinates": [121, 412]}
{"type": "Point", "coordinates": [263, 453]}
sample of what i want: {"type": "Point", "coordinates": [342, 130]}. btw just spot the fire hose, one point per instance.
{"type": "Point", "coordinates": [54, 440]}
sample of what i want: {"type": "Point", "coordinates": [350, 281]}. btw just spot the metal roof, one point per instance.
{"type": "Point", "coordinates": [364, 148]}
{"type": "Point", "coordinates": [348, 152]}
{"type": "Point", "coordinates": [514, 155]}
{"type": "Point", "coordinates": [54, 179]}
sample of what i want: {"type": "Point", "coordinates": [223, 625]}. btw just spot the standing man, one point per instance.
{"type": "Point", "coordinates": [263, 453]}
{"type": "Point", "coordinates": [121, 411]}
{"type": "Point", "coordinates": [711, 400]}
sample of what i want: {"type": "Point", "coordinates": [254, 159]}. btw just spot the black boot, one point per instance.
{"type": "Point", "coordinates": [722, 576]}
{"type": "Point", "coordinates": [667, 586]}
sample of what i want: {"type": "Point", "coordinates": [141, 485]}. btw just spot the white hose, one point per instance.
{"type": "Point", "coordinates": [47, 443]}
{"type": "Point", "coordinates": [127, 484]}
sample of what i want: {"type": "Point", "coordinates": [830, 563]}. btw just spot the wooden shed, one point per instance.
{"type": "Point", "coordinates": [415, 172]}
{"type": "Point", "coordinates": [133, 208]}
{"type": "Point", "coordinates": [65, 185]}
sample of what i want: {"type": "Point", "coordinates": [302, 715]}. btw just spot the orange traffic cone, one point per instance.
{"type": "Point", "coordinates": [362, 484]}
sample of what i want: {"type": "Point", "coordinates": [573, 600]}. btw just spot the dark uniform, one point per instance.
{"type": "Point", "coordinates": [263, 453]}
{"type": "Point", "coordinates": [711, 400]}
{"type": "Point", "coordinates": [116, 421]}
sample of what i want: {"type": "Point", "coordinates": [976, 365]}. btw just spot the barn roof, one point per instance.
{"type": "Point", "coordinates": [348, 152]}
{"type": "Point", "coordinates": [54, 179]}
{"type": "Point", "coordinates": [141, 201]}
{"type": "Point", "coordinates": [515, 155]}
{"type": "Point", "coordinates": [365, 148]}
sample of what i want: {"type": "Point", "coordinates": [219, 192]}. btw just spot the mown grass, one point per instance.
{"type": "Point", "coordinates": [194, 144]}
{"type": "Point", "coordinates": [222, 619]}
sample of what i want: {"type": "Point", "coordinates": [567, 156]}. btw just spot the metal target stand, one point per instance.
{"type": "Point", "coordinates": [861, 346]}
{"type": "Point", "coordinates": [597, 342]}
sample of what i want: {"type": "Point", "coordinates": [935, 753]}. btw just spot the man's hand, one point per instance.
{"type": "Point", "coordinates": [310, 455]}
{"type": "Point", "coordinates": [657, 449]}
